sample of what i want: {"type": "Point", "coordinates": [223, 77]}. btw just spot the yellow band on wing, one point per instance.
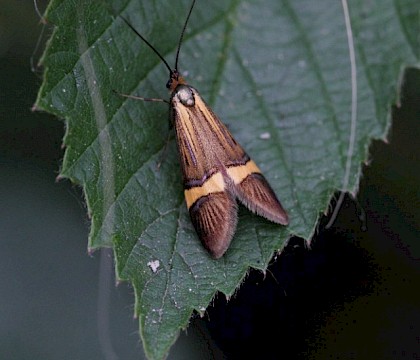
{"type": "Point", "coordinates": [239, 173]}
{"type": "Point", "coordinates": [214, 184]}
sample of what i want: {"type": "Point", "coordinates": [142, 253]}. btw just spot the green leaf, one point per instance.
{"type": "Point", "coordinates": [278, 73]}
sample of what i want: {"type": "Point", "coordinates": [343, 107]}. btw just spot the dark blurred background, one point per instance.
{"type": "Point", "coordinates": [352, 295]}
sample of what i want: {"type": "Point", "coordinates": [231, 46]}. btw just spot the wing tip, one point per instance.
{"type": "Point", "coordinates": [214, 217]}
{"type": "Point", "coordinates": [257, 195]}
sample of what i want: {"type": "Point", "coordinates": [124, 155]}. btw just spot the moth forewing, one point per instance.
{"type": "Point", "coordinates": [258, 196]}
{"type": "Point", "coordinates": [214, 217]}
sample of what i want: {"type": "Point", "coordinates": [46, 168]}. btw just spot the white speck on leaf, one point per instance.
{"type": "Point", "coordinates": [265, 136]}
{"type": "Point", "coordinates": [154, 265]}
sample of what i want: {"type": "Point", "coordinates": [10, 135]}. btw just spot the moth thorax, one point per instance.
{"type": "Point", "coordinates": [185, 95]}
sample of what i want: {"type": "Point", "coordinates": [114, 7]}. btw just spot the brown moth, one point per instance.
{"type": "Point", "coordinates": [215, 168]}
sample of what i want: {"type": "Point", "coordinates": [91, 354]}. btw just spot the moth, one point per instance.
{"type": "Point", "coordinates": [216, 170]}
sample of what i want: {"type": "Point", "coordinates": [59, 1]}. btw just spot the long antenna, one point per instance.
{"type": "Point", "coordinates": [148, 44]}
{"type": "Point", "coordinates": [154, 49]}
{"type": "Point", "coordinates": [182, 35]}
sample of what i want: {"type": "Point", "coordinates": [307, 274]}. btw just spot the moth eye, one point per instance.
{"type": "Point", "coordinates": [168, 84]}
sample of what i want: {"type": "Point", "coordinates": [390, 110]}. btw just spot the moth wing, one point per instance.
{"type": "Point", "coordinates": [257, 195]}
{"type": "Point", "coordinates": [213, 212]}
{"type": "Point", "coordinates": [205, 144]}
{"type": "Point", "coordinates": [214, 217]}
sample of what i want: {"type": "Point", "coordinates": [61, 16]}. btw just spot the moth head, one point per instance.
{"type": "Point", "coordinates": [175, 79]}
